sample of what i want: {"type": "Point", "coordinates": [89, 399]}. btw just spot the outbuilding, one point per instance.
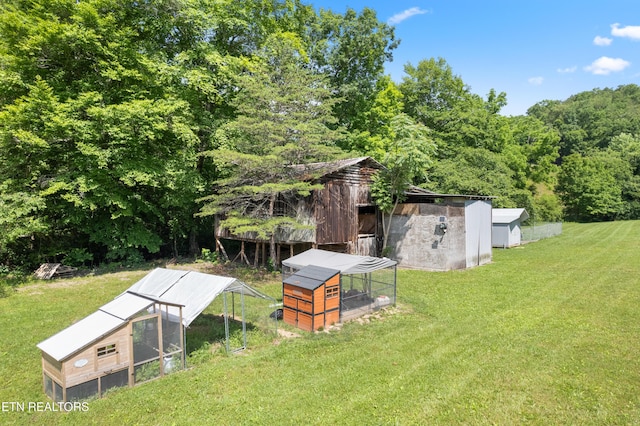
{"type": "Point", "coordinates": [311, 298]}
{"type": "Point", "coordinates": [137, 336]}
{"type": "Point", "coordinates": [506, 228]}
{"type": "Point", "coordinates": [441, 232]}
{"type": "Point", "coordinates": [366, 283]}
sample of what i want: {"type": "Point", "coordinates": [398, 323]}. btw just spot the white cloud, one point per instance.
{"type": "Point", "coordinates": [399, 17]}
{"type": "Point", "coordinates": [536, 81]}
{"type": "Point", "coordinates": [632, 32]}
{"type": "Point", "coordinates": [605, 65]}
{"type": "Point", "coordinates": [567, 70]}
{"type": "Point", "coordinates": [602, 41]}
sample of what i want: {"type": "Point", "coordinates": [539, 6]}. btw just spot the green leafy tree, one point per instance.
{"type": "Point", "coordinates": [589, 188]}
{"type": "Point", "coordinates": [590, 120]}
{"type": "Point", "coordinates": [540, 146]}
{"type": "Point", "coordinates": [284, 119]}
{"type": "Point", "coordinates": [374, 138]}
{"type": "Point", "coordinates": [410, 153]}
{"type": "Point", "coordinates": [351, 50]}
{"type": "Point", "coordinates": [478, 171]}
{"type": "Point", "coordinates": [440, 100]}
{"type": "Point", "coordinates": [627, 148]}
{"type": "Point", "coordinates": [93, 130]}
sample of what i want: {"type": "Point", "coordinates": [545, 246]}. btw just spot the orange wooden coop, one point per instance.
{"type": "Point", "coordinates": [311, 298]}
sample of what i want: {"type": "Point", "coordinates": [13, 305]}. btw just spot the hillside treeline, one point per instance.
{"type": "Point", "coordinates": [126, 125]}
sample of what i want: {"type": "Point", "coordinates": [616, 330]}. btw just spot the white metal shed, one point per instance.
{"type": "Point", "coordinates": [506, 227]}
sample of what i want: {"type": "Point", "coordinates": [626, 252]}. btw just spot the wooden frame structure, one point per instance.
{"type": "Point", "coordinates": [340, 217]}
{"type": "Point", "coordinates": [149, 344]}
{"type": "Point", "coordinates": [138, 336]}
{"type": "Point", "coordinates": [363, 284]}
{"type": "Point", "coordinates": [311, 298]}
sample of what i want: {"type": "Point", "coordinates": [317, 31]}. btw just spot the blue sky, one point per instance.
{"type": "Point", "coordinates": [531, 50]}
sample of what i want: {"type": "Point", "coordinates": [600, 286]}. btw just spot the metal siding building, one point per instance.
{"type": "Point", "coordinates": [506, 228]}
{"type": "Point", "coordinates": [441, 232]}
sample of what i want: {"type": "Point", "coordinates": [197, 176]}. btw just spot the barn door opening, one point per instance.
{"type": "Point", "coordinates": [368, 233]}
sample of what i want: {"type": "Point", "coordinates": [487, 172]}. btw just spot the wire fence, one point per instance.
{"type": "Point", "coordinates": [540, 231]}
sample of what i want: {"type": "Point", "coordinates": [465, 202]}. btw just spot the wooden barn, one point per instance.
{"type": "Point", "coordinates": [441, 232]}
{"type": "Point", "coordinates": [428, 231]}
{"type": "Point", "coordinates": [137, 336]}
{"type": "Point", "coordinates": [311, 298]}
{"type": "Point", "coordinates": [341, 217]}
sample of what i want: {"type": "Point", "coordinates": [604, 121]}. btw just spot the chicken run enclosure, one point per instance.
{"type": "Point", "coordinates": [144, 332]}
{"type": "Point", "coordinates": [366, 283]}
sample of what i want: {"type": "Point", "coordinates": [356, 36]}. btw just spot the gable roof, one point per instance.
{"type": "Point", "coordinates": [345, 263]}
{"type": "Point", "coordinates": [313, 170]}
{"type": "Point", "coordinates": [508, 215]}
{"type": "Point", "coordinates": [77, 336]}
{"type": "Point", "coordinates": [192, 291]}
{"type": "Point", "coordinates": [311, 277]}
{"type": "Point", "coordinates": [94, 327]}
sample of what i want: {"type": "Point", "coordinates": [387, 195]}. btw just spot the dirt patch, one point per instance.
{"type": "Point", "coordinates": [39, 286]}
{"type": "Point", "coordinates": [285, 334]}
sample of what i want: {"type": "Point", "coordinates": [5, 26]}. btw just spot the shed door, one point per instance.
{"type": "Point", "coordinates": [478, 232]}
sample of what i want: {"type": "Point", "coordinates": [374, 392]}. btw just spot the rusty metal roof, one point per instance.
{"type": "Point", "coordinates": [313, 170]}
{"type": "Point", "coordinates": [416, 191]}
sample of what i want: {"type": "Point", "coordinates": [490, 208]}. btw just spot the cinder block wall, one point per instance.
{"type": "Point", "coordinates": [417, 241]}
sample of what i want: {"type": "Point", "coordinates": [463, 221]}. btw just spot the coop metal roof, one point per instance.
{"type": "Point", "coordinates": [345, 263]}
{"type": "Point", "coordinates": [193, 291]}
{"type": "Point", "coordinates": [311, 277]}
{"type": "Point", "coordinates": [82, 333]}
{"type": "Point", "coordinates": [508, 215]}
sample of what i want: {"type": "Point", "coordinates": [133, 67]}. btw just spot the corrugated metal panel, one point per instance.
{"type": "Point", "coordinates": [81, 334]}
{"type": "Point", "coordinates": [126, 305]}
{"type": "Point", "coordinates": [345, 263]}
{"type": "Point", "coordinates": [193, 290]}
{"type": "Point", "coordinates": [478, 232]}
{"type": "Point", "coordinates": [157, 282]}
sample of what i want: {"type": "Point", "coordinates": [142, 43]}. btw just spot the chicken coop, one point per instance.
{"type": "Point", "coordinates": [311, 298]}
{"type": "Point", "coordinates": [363, 283]}
{"type": "Point", "coordinates": [138, 336]}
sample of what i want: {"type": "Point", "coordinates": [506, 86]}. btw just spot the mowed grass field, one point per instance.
{"type": "Point", "coordinates": [548, 333]}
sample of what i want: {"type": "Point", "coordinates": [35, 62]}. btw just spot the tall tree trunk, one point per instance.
{"type": "Point", "coordinates": [386, 227]}
{"type": "Point", "coordinates": [273, 255]}
{"type": "Point", "coordinates": [194, 248]}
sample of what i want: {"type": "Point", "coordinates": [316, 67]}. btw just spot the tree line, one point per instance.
{"type": "Point", "coordinates": [125, 126]}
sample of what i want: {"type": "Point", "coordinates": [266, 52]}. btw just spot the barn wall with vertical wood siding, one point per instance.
{"type": "Point", "coordinates": [336, 206]}
{"type": "Point", "coordinates": [330, 213]}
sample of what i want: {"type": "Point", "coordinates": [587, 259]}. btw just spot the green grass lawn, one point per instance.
{"type": "Point", "coordinates": [548, 333]}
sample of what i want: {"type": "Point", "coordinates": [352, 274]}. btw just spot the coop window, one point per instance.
{"type": "Point", "coordinates": [48, 386]}
{"type": "Point", "coordinates": [106, 350]}
{"type": "Point", "coordinates": [332, 292]}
